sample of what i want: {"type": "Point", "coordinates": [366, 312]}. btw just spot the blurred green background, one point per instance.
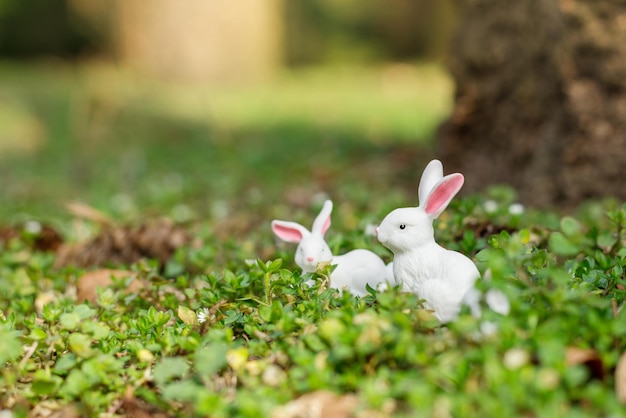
{"type": "Point", "coordinates": [202, 109]}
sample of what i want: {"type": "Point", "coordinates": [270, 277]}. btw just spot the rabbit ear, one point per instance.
{"type": "Point", "coordinates": [322, 222]}
{"type": "Point", "coordinates": [289, 231]}
{"type": "Point", "coordinates": [431, 175]}
{"type": "Point", "coordinates": [443, 192]}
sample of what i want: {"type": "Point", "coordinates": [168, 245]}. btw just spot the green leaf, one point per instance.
{"type": "Point", "coordinates": [80, 344]}
{"type": "Point", "coordinates": [43, 387]}
{"type": "Point", "coordinates": [286, 275]}
{"type": "Point", "coordinates": [262, 265]}
{"type": "Point", "coordinates": [539, 258]}
{"type": "Point", "coordinates": [84, 311]}
{"type": "Point", "coordinates": [265, 312]}
{"type": "Point", "coordinates": [237, 358]}
{"type": "Point", "coordinates": [102, 365]}
{"type": "Point", "coordinates": [37, 334]}
{"type": "Point", "coordinates": [173, 268]}
{"type": "Point", "coordinates": [170, 368]}
{"type": "Point", "coordinates": [571, 227]}
{"type": "Point", "coordinates": [603, 260]}
{"type": "Point", "coordinates": [606, 239]}
{"type": "Point", "coordinates": [210, 359]}
{"type": "Point", "coordinates": [75, 384]}
{"type": "Point", "coordinates": [314, 342]}
{"type": "Point", "coordinates": [561, 245]}
{"type": "Point", "coordinates": [183, 391]}
{"type": "Point", "coordinates": [44, 383]}
{"type": "Point", "coordinates": [70, 321]}
{"type": "Point", "coordinates": [275, 265]}
{"type": "Point", "coordinates": [331, 329]}
{"type": "Point", "coordinates": [65, 363]}
{"type": "Point", "coordinates": [187, 315]}
{"type": "Point", "coordinates": [97, 329]}
{"type": "Point", "coordinates": [524, 235]}
{"type": "Point", "coordinates": [10, 345]}
{"type": "Point", "coordinates": [494, 242]}
{"type": "Point", "coordinates": [233, 317]}
{"type": "Point", "coordinates": [271, 313]}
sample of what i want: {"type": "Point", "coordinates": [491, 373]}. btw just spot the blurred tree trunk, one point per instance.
{"type": "Point", "coordinates": [216, 40]}
{"type": "Point", "coordinates": [541, 98]}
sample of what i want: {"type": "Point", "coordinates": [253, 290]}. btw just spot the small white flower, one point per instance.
{"type": "Point", "coordinates": [498, 302]}
{"type": "Point", "coordinates": [516, 209]}
{"type": "Point", "coordinates": [5, 413]}
{"type": "Point", "coordinates": [514, 358]}
{"type": "Point", "coordinates": [491, 206]}
{"type": "Point", "coordinates": [203, 315]}
{"type": "Point", "coordinates": [32, 227]}
{"type": "Point", "coordinates": [488, 328]}
{"type": "Point", "coordinates": [382, 287]}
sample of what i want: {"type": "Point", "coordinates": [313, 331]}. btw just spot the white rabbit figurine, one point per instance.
{"type": "Point", "coordinates": [354, 269]}
{"type": "Point", "coordinates": [439, 276]}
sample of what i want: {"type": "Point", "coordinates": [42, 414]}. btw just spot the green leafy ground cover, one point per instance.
{"type": "Point", "coordinates": [219, 333]}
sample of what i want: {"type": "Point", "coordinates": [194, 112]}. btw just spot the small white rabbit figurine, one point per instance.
{"type": "Point", "coordinates": [354, 269]}
{"type": "Point", "coordinates": [439, 276]}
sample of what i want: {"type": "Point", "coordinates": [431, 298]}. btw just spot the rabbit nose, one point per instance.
{"type": "Point", "coordinates": [309, 259]}
{"type": "Point", "coordinates": [376, 230]}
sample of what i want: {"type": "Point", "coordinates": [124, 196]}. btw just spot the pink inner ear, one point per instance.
{"type": "Point", "coordinates": [286, 233]}
{"type": "Point", "coordinates": [326, 225]}
{"type": "Point", "coordinates": [441, 196]}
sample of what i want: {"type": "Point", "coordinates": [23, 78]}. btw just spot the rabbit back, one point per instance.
{"type": "Point", "coordinates": [357, 268]}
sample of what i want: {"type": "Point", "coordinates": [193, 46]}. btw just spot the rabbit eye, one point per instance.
{"type": "Point", "coordinates": [402, 226]}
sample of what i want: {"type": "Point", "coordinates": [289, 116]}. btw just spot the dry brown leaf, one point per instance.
{"type": "Point", "coordinates": [84, 211]}
{"type": "Point", "coordinates": [484, 229]}
{"type": "Point", "coordinates": [43, 299]}
{"type": "Point", "coordinates": [69, 411]}
{"type": "Point", "coordinates": [585, 356]}
{"type": "Point", "coordinates": [238, 224]}
{"type": "Point", "coordinates": [620, 379]}
{"type": "Point", "coordinates": [138, 408]}
{"type": "Point", "coordinates": [88, 283]}
{"type": "Point", "coordinates": [319, 404]}
{"type": "Point", "coordinates": [123, 245]}
{"type": "Point", "coordinates": [47, 238]}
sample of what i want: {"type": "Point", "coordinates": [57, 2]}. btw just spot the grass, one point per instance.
{"type": "Point", "coordinates": [216, 333]}
{"type": "Point", "coordinates": [104, 136]}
